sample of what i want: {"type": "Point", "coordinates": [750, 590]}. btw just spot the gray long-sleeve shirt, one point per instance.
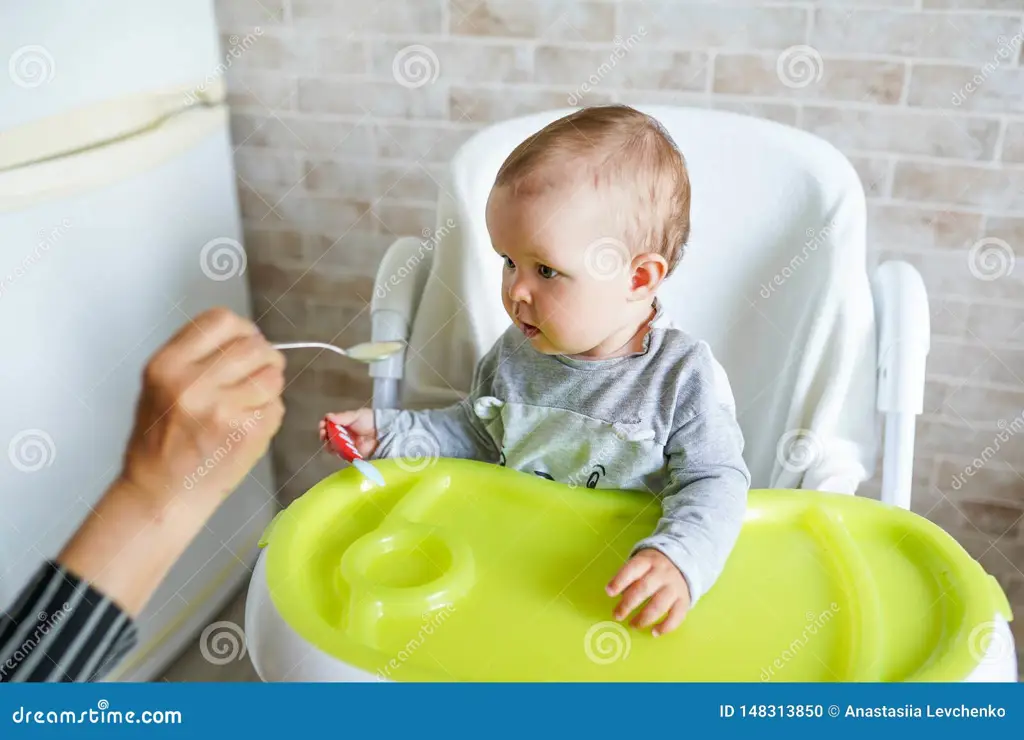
{"type": "Point", "coordinates": [660, 420]}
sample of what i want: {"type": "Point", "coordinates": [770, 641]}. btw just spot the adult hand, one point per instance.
{"type": "Point", "coordinates": [210, 404]}
{"type": "Point", "coordinates": [209, 407]}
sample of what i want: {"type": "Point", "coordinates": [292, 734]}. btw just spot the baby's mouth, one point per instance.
{"type": "Point", "coordinates": [529, 330]}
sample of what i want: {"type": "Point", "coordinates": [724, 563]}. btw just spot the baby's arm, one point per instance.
{"type": "Point", "coordinates": [704, 503]}
{"type": "Point", "coordinates": [455, 431]}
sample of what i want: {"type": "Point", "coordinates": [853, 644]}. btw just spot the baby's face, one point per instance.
{"type": "Point", "coordinates": [566, 275]}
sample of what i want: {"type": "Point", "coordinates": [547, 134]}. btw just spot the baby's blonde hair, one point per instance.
{"type": "Point", "coordinates": [619, 147]}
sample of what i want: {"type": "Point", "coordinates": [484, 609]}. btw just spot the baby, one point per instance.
{"type": "Point", "coordinates": [590, 384]}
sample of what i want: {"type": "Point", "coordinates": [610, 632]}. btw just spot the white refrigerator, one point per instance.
{"type": "Point", "coordinates": [118, 221]}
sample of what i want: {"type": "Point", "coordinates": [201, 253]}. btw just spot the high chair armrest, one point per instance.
{"type": "Point", "coordinates": [396, 296]}
{"type": "Point", "coordinates": [904, 340]}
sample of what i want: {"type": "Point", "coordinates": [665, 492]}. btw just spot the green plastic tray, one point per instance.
{"type": "Point", "coordinates": [472, 572]}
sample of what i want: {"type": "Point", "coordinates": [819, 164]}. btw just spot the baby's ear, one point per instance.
{"type": "Point", "coordinates": [649, 271]}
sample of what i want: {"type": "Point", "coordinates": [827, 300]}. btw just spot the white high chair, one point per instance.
{"type": "Point", "coordinates": [814, 357]}
{"type": "Point", "coordinates": [775, 279]}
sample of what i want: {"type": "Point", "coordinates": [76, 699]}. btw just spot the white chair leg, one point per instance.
{"type": "Point", "coordinates": [898, 462]}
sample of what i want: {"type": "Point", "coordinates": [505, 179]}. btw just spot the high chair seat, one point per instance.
{"type": "Point", "coordinates": [775, 278]}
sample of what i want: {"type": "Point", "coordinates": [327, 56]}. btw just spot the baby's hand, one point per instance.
{"type": "Point", "coordinates": [651, 575]}
{"type": "Point", "coordinates": [360, 424]}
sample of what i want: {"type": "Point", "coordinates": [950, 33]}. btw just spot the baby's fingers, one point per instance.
{"type": "Point", "coordinates": [675, 618]}
{"type": "Point", "coordinates": [637, 594]}
{"type": "Point", "coordinates": [656, 608]}
{"type": "Point", "coordinates": [630, 572]}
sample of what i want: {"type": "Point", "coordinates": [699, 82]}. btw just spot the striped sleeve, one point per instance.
{"type": "Point", "coordinates": [62, 629]}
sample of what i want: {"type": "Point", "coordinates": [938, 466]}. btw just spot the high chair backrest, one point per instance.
{"type": "Point", "coordinates": [774, 279]}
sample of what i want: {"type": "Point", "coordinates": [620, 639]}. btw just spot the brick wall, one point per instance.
{"type": "Point", "coordinates": [335, 159]}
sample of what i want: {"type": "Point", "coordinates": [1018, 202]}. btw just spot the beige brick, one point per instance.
{"type": "Point", "coordinates": [948, 317]}
{"type": "Point", "coordinates": [779, 112]}
{"type": "Point", "coordinates": [483, 105]}
{"type": "Point", "coordinates": [978, 480]}
{"type": "Point", "coordinates": [672, 97]}
{"type": "Point", "coordinates": [282, 318]}
{"type": "Point", "coordinates": [998, 445]}
{"type": "Point", "coordinates": [973, 4]}
{"type": "Point", "coordinates": [343, 178]}
{"type": "Point", "coordinates": [273, 247]}
{"type": "Point", "coordinates": [699, 26]}
{"type": "Point", "coordinates": [841, 79]}
{"type": "Point", "coordinates": [970, 37]}
{"type": "Point", "coordinates": [284, 53]}
{"type": "Point", "coordinates": [259, 90]}
{"type": "Point", "coordinates": [319, 213]}
{"type": "Point", "coordinates": [343, 139]}
{"type": "Point", "coordinates": [932, 134]}
{"type": "Point", "coordinates": [874, 175]}
{"type": "Point", "coordinates": [1013, 144]}
{"type": "Point", "coordinates": [357, 252]}
{"type": "Point", "coordinates": [451, 61]}
{"type": "Point", "coordinates": [421, 142]}
{"type": "Point", "coordinates": [272, 167]}
{"type": "Point", "coordinates": [997, 190]}
{"type": "Point", "coordinates": [869, 3]}
{"type": "Point", "coordinates": [620, 68]}
{"type": "Point", "coordinates": [989, 88]}
{"type": "Point", "coordinates": [371, 99]}
{"type": "Point", "coordinates": [255, 206]}
{"type": "Point", "coordinates": [380, 16]}
{"type": "Point", "coordinates": [984, 407]}
{"type": "Point", "coordinates": [935, 393]}
{"type": "Point", "coordinates": [1011, 231]}
{"type": "Point", "coordinates": [403, 219]}
{"type": "Point", "coordinates": [339, 56]}
{"type": "Point", "coordinates": [948, 274]}
{"type": "Point", "coordinates": [312, 283]}
{"type": "Point", "coordinates": [564, 20]}
{"type": "Point", "coordinates": [977, 362]}
{"type": "Point", "coordinates": [996, 324]}
{"type": "Point", "coordinates": [975, 519]}
{"type": "Point", "coordinates": [243, 15]}
{"type": "Point", "coordinates": [361, 179]}
{"type": "Point", "coordinates": [343, 324]}
{"type": "Point", "coordinates": [411, 182]}
{"type": "Point", "coordinates": [900, 227]}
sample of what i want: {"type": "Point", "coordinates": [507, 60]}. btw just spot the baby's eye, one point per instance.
{"type": "Point", "coordinates": [546, 272]}
{"type": "Point", "coordinates": [508, 262]}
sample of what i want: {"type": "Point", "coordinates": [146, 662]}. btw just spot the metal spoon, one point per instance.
{"type": "Point", "coordinates": [364, 352]}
